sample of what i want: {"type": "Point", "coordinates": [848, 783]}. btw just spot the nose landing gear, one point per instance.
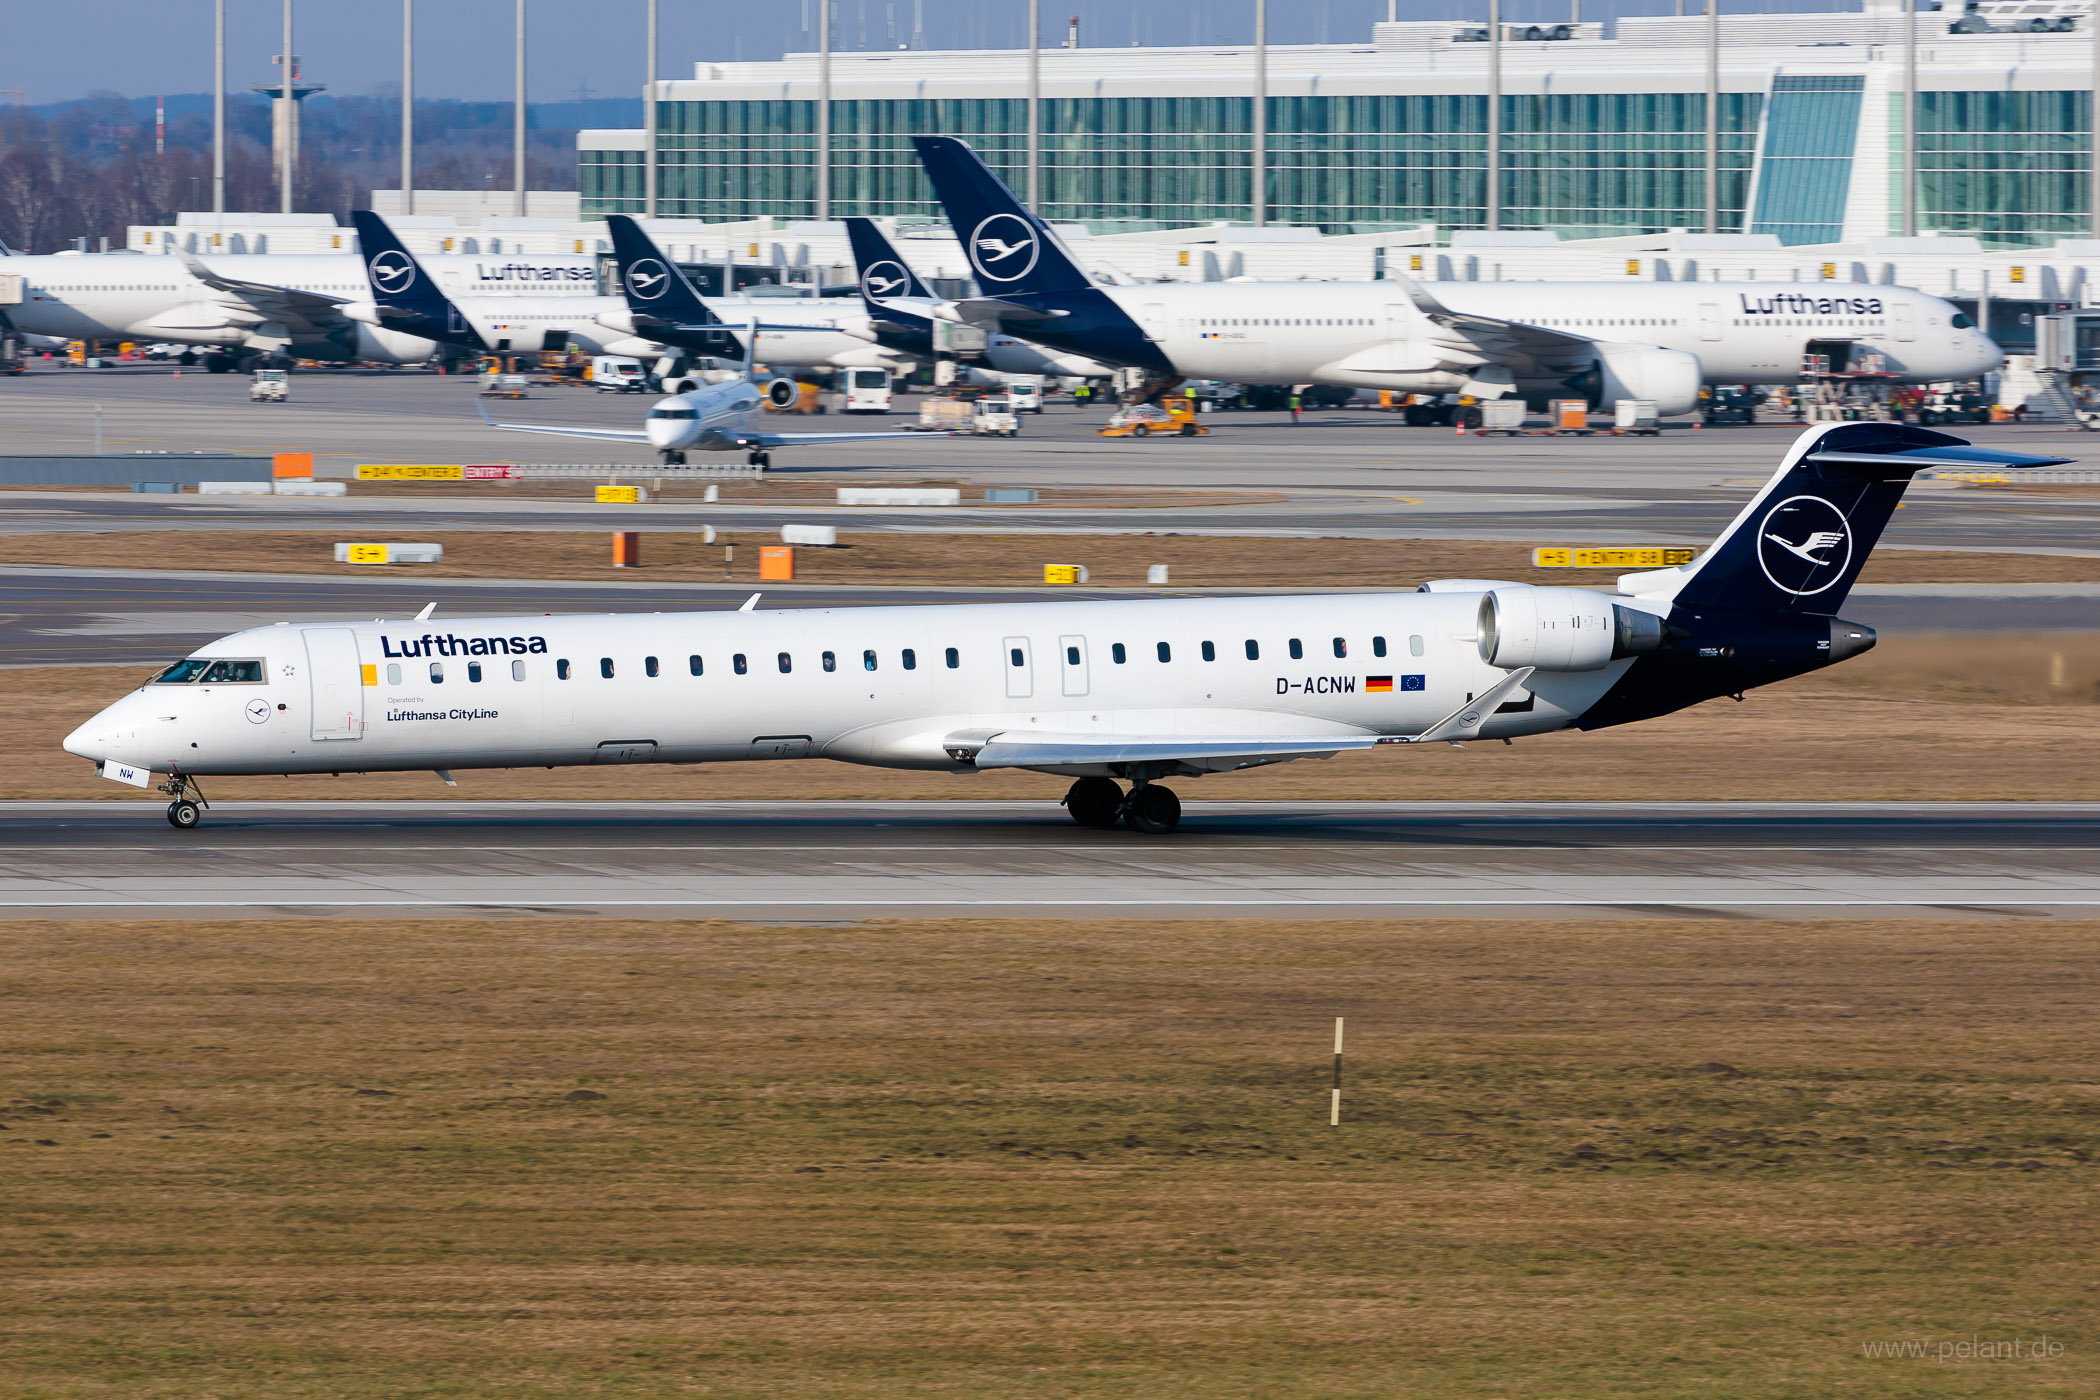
{"type": "Point", "coordinates": [760, 459]}
{"type": "Point", "coordinates": [1099, 803]}
{"type": "Point", "coordinates": [673, 458]}
{"type": "Point", "coordinates": [189, 805]}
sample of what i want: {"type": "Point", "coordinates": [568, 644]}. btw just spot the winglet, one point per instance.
{"type": "Point", "coordinates": [751, 602]}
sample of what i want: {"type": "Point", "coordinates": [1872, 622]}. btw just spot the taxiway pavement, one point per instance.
{"type": "Point", "coordinates": [849, 861]}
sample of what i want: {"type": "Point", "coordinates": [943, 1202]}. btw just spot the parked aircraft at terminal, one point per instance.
{"type": "Point", "coordinates": [1098, 691]}
{"type": "Point", "coordinates": [1604, 341]}
{"type": "Point", "coordinates": [902, 310]}
{"type": "Point", "coordinates": [306, 305]}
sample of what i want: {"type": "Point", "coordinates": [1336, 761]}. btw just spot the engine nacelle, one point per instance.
{"type": "Point", "coordinates": [783, 393]}
{"type": "Point", "coordinates": [1562, 629]}
{"type": "Point", "coordinates": [1671, 378]}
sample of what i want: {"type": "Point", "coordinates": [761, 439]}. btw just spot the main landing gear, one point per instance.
{"type": "Point", "coordinates": [759, 459]}
{"type": "Point", "coordinates": [1099, 803]}
{"type": "Point", "coordinates": [673, 458]}
{"type": "Point", "coordinates": [189, 805]}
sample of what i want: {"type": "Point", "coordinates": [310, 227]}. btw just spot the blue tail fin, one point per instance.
{"type": "Point", "coordinates": [407, 299]}
{"type": "Point", "coordinates": [883, 275]}
{"type": "Point", "coordinates": [1800, 544]}
{"type": "Point", "coordinates": [1010, 249]}
{"type": "Point", "coordinates": [664, 304]}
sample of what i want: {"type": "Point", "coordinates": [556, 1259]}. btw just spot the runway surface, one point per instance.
{"type": "Point", "coordinates": [846, 861]}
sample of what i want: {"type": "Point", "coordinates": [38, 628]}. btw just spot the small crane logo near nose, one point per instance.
{"type": "Point", "coordinates": [258, 711]}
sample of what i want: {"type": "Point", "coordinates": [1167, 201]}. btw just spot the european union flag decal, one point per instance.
{"type": "Point", "coordinates": [1414, 682]}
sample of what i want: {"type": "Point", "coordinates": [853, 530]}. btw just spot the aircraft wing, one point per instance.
{"type": "Point", "coordinates": [974, 309]}
{"type": "Point", "coordinates": [315, 310]}
{"type": "Point", "coordinates": [809, 439]}
{"type": "Point", "coordinates": [1030, 748]}
{"type": "Point", "coordinates": [607, 434]}
{"type": "Point", "coordinates": [1491, 335]}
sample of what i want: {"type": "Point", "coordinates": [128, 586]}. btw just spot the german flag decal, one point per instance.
{"type": "Point", "coordinates": [1378, 685]}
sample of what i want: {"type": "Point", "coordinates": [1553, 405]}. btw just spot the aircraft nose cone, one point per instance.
{"type": "Point", "coordinates": [81, 741]}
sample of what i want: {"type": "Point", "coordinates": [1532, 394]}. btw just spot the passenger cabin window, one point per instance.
{"type": "Point", "coordinates": [1119, 655]}
{"type": "Point", "coordinates": [649, 666]}
{"type": "Point", "coordinates": [739, 665]}
{"type": "Point", "coordinates": [393, 672]}
{"type": "Point", "coordinates": [911, 658]}
{"type": "Point", "coordinates": [1414, 646]}
{"type": "Point", "coordinates": [1166, 652]}
{"type": "Point", "coordinates": [474, 673]}
{"type": "Point", "coordinates": [787, 663]}
{"type": "Point", "coordinates": [561, 670]}
{"type": "Point", "coordinates": [1071, 656]}
{"type": "Point", "coordinates": [1297, 650]}
{"type": "Point", "coordinates": [692, 663]}
{"type": "Point", "coordinates": [1210, 651]}
{"type": "Point", "coordinates": [1377, 646]}
{"type": "Point", "coordinates": [517, 670]}
{"type": "Point", "coordinates": [867, 661]}
{"type": "Point", "coordinates": [605, 667]}
{"type": "Point", "coordinates": [1341, 648]}
{"type": "Point", "coordinates": [831, 661]}
{"type": "Point", "coordinates": [1016, 658]}
{"type": "Point", "coordinates": [437, 673]}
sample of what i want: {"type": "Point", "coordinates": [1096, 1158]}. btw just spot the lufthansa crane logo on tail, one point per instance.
{"type": "Point", "coordinates": [1004, 248]}
{"type": "Point", "coordinates": [392, 271]}
{"type": "Point", "coordinates": [648, 279]}
{"type": "Point", "coordinates": [884, 280]}
{"type": "Point", "coordinates": [1804, 545]}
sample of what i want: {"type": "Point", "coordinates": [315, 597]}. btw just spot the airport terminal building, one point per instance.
{"type": "Point", "coordinates": [1599, 135]}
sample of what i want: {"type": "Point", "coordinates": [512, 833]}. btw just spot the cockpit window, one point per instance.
{"type": "Point", "coordinates": [674, 413]}
{"type": "Point", "coordinates": [1962, 321]}
{"type": "Point", "coordinates": [205, 670]}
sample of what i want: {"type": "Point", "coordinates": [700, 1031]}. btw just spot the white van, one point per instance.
{"type": "Point", "coordinates": [610, 374]}
{"type": "Point", "coordinates": [867, 391]}
{"type": "Point", "coordinates": [1026, 390]}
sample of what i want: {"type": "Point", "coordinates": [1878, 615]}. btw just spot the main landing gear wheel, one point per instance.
{"type": "Point", "coordinates": [184, 814]}
{"type": "Point", "coordinates": [761, 460]}
{"type": "Point", "coordinates": [1152, 809]}
{"type": "Point", "coordinates": [1095, 802]}
{"type": "Point", "coordinates": [674, 459]}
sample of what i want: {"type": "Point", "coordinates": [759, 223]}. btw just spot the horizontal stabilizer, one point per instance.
{"type": "Point", "coordinates": [1890, 465]}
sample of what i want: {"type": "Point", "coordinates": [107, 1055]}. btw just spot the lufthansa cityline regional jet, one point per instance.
{"type": "Point", "coordinates": [1602, 341]}
{"type": "Point", "coordinates": [1098, 691]}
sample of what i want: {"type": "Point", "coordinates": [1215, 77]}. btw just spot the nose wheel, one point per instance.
{"type": "Point", "coordinates": [189, 805]}
{"type": "Point", "coordinates": [761, 460]}
{"type": "Point", "coordinates": [673, 458]}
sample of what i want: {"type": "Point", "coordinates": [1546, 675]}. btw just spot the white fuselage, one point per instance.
{"type": "Point", "coordinates": [884, 686]}
{"type": "Point", "coordinates": [121, 296]}
{"type": "Point", "coordinates": [711, 418]}
{"type": "Point", "coordinates": [796, 332]}
{"type": "Point", "coordinates": [1370, 335]}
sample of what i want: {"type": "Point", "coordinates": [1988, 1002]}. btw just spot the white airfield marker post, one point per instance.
{"type": "Point", "coordinates": [1334, 1104]}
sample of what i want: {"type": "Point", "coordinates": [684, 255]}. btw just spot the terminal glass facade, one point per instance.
{"type": "Point", "coordinates": [1579, 163]}
{"type": "Point", "coordinates": [2009, 168]}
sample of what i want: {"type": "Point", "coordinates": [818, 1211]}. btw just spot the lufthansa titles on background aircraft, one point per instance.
{"type": "Point", "coordinates": [1795, 304]}
{"type": "Point", "coordinates": [1803, 545]}
{"type": "Point", "coordinates": [525, 272]}
{"type": "Point", "coordinates": [451, 644]}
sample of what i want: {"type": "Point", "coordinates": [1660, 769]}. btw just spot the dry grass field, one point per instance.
{"type": "Point", "coordinates": [1927, 718]}
{"type": "Point", "coordinates": [893, 560]}
{"type": "Point", "coordinates": [554, 1158]}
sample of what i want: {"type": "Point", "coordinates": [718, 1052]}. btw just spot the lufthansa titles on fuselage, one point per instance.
{"type": "Point", "coordinates": [452, 644]}
{"type": "Point", "coordinates": [1795, 304]}
{"type": "Point", "coordinates": [526, 272]}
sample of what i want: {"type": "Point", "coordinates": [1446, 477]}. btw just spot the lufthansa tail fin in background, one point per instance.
{"type": "Point", "coordinates": [664, 305]}
{"type": "Point", "coordinates": [406, 298]}
{"type": "Point", "coordinates": [1798, 547]}
{"type": "Point", "coordinates": [1010, 249]}
{"type": "Point", "coordinates": [883, 275]}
